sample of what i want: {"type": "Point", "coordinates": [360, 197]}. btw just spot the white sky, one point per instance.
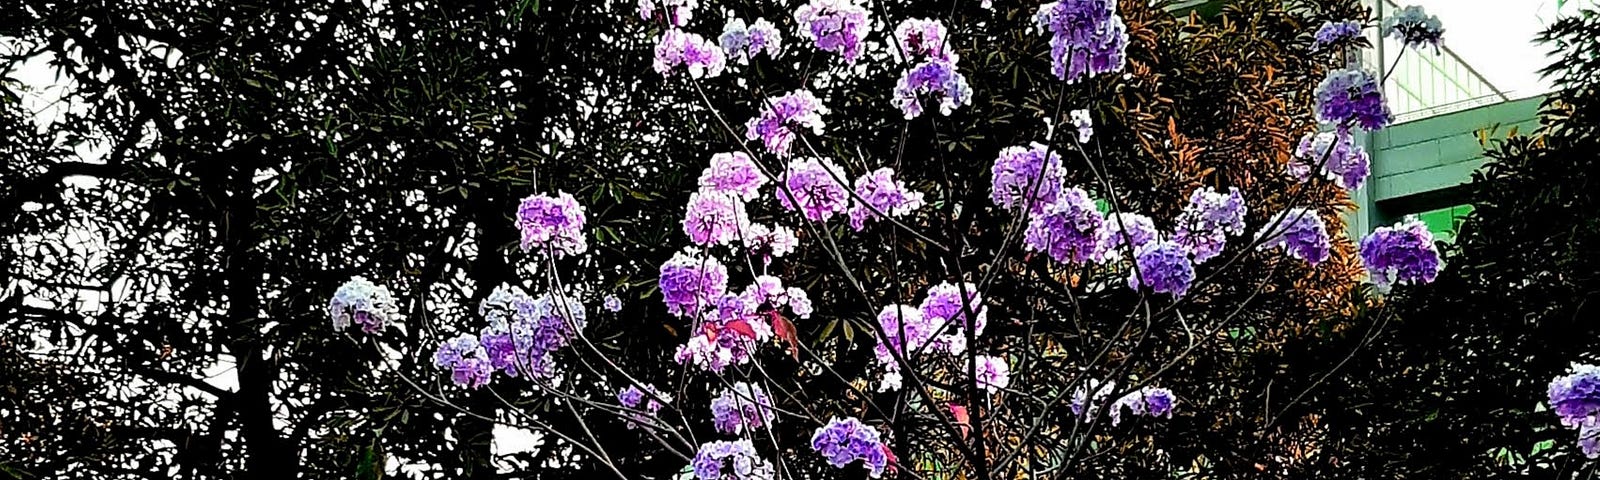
{"type": "Point", "coordinates": [1495, 37]}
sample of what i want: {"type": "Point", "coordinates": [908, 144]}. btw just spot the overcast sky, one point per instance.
{"type": "Point", "coordinates": [1496, 37]}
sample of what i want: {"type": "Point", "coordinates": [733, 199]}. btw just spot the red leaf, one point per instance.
{"type": "Point", "coordinates": [741, 327]}
{"type": "Point", "coordinates": [711, 332]}
{"type": "Point", "coordinates": [960, 412]}
{"type": "Point", "coordinates": [893, 462]}
{"type": "Point", "coordinates": [785, 331]}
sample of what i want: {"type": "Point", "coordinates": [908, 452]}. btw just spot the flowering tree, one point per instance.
{"type": "Point", "coordinates": [1005, 313]}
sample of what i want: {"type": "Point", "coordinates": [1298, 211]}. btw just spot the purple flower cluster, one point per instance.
{"type": "Point", "coordinates": [1334, 34]}
{"type": "Point", "coordinates": [769, 242]}
{"type": "Point", "coordinates": [745, 42]}
{"type": "Point", "coordinates": [366, 304]}
{"type": "Point", "coordinates": [744, 407]}
{"type": "Point", "coordinates": [1124, 231]}
{"type": "Point", "coordinates": [1350, 98]}
{"type": "Point", "coordinates": [1084, 124]}
{"type": "Point", "coordinates": [612, 303]}
{"type": "Point", "coordinates": [1068, 230]}
{"type": "Point", "coordinates": [814, 183]}
{"type": "Point", "coordinates": [843, 441]}
{"type": "Point", "coordinates": [733, 173]}
{"type": "Point", "coordinates": [466, 360]}
{"type": "Point", "coordinates": [699, 56]}
{"type": "Point", "coordinates": [1414, 27]}
{"type": "Point", "coordinates": [993, 373]}
{"type": "Point", "coordinates": [1164, 267]}
{"type": "Point", "coordinates": [883, 194]}
{"type": "Point", "coordinates": [1301, 234]}
{"type": "Point", "coordinates": [1342, 159]}
{"type": "Point", "coordinates": [768, 293]}
{"type": "Point", "coordinates": [1087, 37]}
{"type": "Point", "coordinates": [835, 26]}
{"type": "Point", "coordinates": [1207, 221]}
{"type": "Point", "coordinates": [778, 122]}
{"type": "Point", "coordinates": [1401, 254]}
{"type": "Point", "coordinates": [691, 282]}
{"type": "Point", "coordinates": [674, 12]}
{"type": "Point", "coordinates": [1087, 399]}
{"type": "Point", "coordinates": [938, 325]}
{"type": "Point", "coordinates": [649, 399]}
{"type": "Point", "coordinates": [735, 460]}
{"type": "Point", "coordinates": [552, 224]}
{"type": "Point", "coordinates": [933, 79]}
{"type": "Point", "coordinates": [524, 332]}
{"type": "Point", "coordinates": [922, 38]}
{"type": "Point", "coordinates": [1576, 400]}
{"type": "Point", "coordinates": [1024, 176]}
{"type": "Point", "coordinates": [714, 218]}
{"type": "Point", "coordinates": [1148, 401]}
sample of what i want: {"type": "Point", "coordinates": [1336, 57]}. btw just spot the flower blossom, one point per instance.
{"type": "Point", "coordinates": [1207, 221]}
{"type": "Point", "coordinates": [815, 186]}
{"type": "Point", "coordinates": [1342, 159]}
{"type": "Point", "coordinates": [699, 56]}
{"type": "Point", "coordinates": [1124, 231]}
{"type": "Point", "coordinates": [943, 309]}
{"type": "Point", "coordinates": [1414, 27]}
{"type": "Point", "coordinates": [366, 304]}
{"type": "Point", "coordinates": [1067, 230]}
{"type": "Point", "coordinates": [691, 282]}
{"type": "Point", "coordinates": [1087, 37]}
{"type": "Point", "coordinates": [466, 360]}
{"type": "Point", "coordinates": [648, 399]}
{"type": "Point", "coordinates": [1025, 177]}
{"type": "Point", "coordinates": [769, 242]}
{"type": "Point", "coordinates": [725, 460]}
{"type": "Point", "coordinates": [741, 408]}
{"type": "Point", "coordinates": [1146, 401]}
{"type": "Point", "coordinates": [675, 12]}
{"type": "Point", "coordinates": [1300, 233]}
{"type": "Point", "coordinates": [1575, 398]}
{"type": "Point", "coordinates": [1401, 254]}
{"type": "Point", "coordinates": [993, 374]}
{"type": "Point", "coordinates": [767, 293]}
{"type": "Point", "coordinates": [1084, 403]}
{"type": "Point", "coordinates": [834, 26]}
{"type": "Point", "coordinates": [780, 119]}
{"type": "Point", "coordinates": [843, 441]}
{"type": "Point", "coordinates": [714, 218]}
{"type": "Point", "coordinates": [525, 332]}
{"type": "Point", "coordinates": [882, 194]}
{"type": "Point", "coordinates": [1084, 124]}
{"type": "Point", "coordinates": [612, 303]}
{"type": "Point", "coordinates": [744, 43]}
{"type": "Point", "coordinates": [933, 79]}
{"type": "Point", "coordinates": [922, 38]}
{"type": "Point", "coordinates": [1164, 267]}
{"type": "Point", "coordinates": [1333, 34]}
{"type": "Point", "coordinates": [552, 224]}
{"type": "Point", "coordinates": [733, 173]}
{"type": "Point", "coordinates": [1352, 97]}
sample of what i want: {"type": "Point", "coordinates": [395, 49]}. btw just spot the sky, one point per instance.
{"type": "Point", "coordinates": [1496, 37]}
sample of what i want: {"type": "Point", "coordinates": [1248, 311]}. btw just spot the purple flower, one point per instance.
{"type": "Point", "coordinates": [1575, 397]}
{"type": "Point", "coordinates": [905, 331]}
{"type": "Point", "coordinates": [1085, 125]}
{"type": "Point", "coordinates": [1401, 254]}
{"type": "Point", "coordinates": [1084, 404]}
{"type": "Point", "coordinates": [466, 361]}
{"type": "Point", "coordinates": [768, 293]}
{"type": "Point", "coordinates": [1124, 231]}
{"type": "Point", "coordinates": [690, 282]}
{"type": "Point", "coordinates": [724, 460]}
{"type": "Point", "coordinates": [733, 173]}
{"type": "Point", "coordinates": [630, 397]}
{"type": "Point", "coordinates": [884, 194]}
{"type": "Point", "coordinates": [1415, 28]}
{"type": "Point", "coordinates": [1068, 230]}
{"type": "Point", "coordinates": [1087, 37]}
{"type": "Point", "coordinates": [1342, 159]}
{"type": "Point", "coordinates": [1300, 233]}
{"type": "Point", "coordinates": [781, 118]}
{"type": "Point", "coordinates": [933, 79]}
{"type": "Point", "coordinates": [675, 12]}
{"type": "Point", "coordinates": [1333, 34]}
{"type": "Point", "coordinates": [843, 441]}
{"type": "Point", "coordinates": [714, 218]}
{"type": "Point", "coordinates": [1164, 267]}
{"type": "Point", "coordinates": [1025, 176]}
{"type": "Point", "coordinates": [699, 56]}
{"type": "Point", "coordinates": [834, 25]}
{"type": "Point", "coordinates": [744, 43]}
{"type": "Point", "coordinates": [993, 374]}
{"type": "Point", "coordinates": [524, 332]}
{"type": "Point", "coordinates": [768, 242]}
{"type": "Point", "coordinates": [366, 304]}
{"type": "Point", "coordinates": [943, 308]}
{"type": "Point", "coordinates": [1207, 221]}
{"type": "Point", "coordinates": [815, 185]}
{"type": "Point", "coordinates": [744, 407]}
{"type": "Point", "coordinates": [1147, 401]}
{"type": "Point", "coordinates": [1352, 98]}
{"type": "Point", "coordinates": [612, 303]}
{"type": "Point", "coordinates": [923, 39]}
{"type": "Point", "coordinates": [552, 224]}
